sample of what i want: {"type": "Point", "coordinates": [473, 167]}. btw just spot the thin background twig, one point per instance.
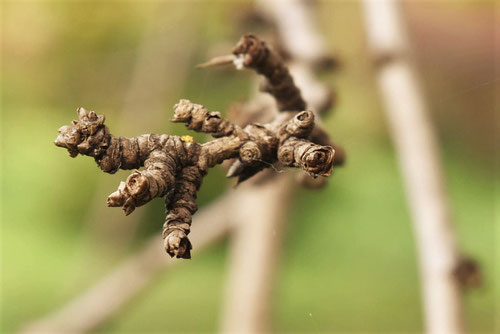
{"type": "Point", "coordinates": [419, 158]}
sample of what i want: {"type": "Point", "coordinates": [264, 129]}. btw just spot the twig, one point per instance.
{"type": "Point", "coordinates": [174, 166]}
{"type": "Point", "coordinates": [89, 136]}
{"type": "Point", "coordinates": [254, 254]}
{"type": "Point", "coordinates": [418, 155]}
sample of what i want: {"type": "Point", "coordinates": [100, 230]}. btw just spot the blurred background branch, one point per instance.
{"type": "Point", "coordinates": [348, 253]}
{"type": "Point", "coordinates": [255, 247]}
{"type": "Point", "coordinates": [109, 296]}
{"type": "Point", "coordinates": [419, 157]}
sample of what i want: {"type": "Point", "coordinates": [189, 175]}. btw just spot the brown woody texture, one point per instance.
{"type": "Point", "coordinates": [174, 167]}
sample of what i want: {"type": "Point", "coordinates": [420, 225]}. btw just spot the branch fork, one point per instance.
{"type": "Point", "coordinates": [173, 167]}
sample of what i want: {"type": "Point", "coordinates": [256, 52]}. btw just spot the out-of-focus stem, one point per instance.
{"type": "Point", "coordinates": [298, 33]}
{"type": "Point", "coordinates": [418, 154]}
{"type": "Point", "coordinates": [105, 299]}
{"type": "Point", "coordinates": [254, 253]}
{"type": "Point", "coordinates": [257, 238]}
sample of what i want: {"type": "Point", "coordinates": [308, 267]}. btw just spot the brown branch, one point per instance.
{"type": "Point", "coordinates": [145, 91]}
{"type": "Point", "coordinates": [178, 164]}
{"type": "Point", "coordinates": [180, 209]}
{"type": "Point", "coordinates": [101, 302]}
{"type": "Point", "coordinates": [255, 54]}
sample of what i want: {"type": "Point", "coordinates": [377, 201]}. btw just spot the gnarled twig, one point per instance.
{"type": "Point", "coordinates": [176, 165]}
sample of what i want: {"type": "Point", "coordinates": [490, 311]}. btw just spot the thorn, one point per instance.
{"type": "Point", "coordinates": [235, 169]}
{"type": "Point", "coordinates": [218, 61]}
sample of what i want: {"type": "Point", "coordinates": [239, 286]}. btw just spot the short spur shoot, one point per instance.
{"type": "Point", "coordinates": [173, 167]}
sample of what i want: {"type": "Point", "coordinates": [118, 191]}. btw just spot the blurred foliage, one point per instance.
{"type": "Point", "coordinates": [348, 261]}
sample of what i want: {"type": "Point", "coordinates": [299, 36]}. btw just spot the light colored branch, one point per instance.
{"type": "Point", "coordinates": [254, 252]}
{"type": "Point", "coordinates": [297, 32]}
{"type": "Point", "coordinates": [255, 246]}
{"type": "Point", "coordinates": [418, 155]}
{"type": "Point", "coordinates": [105, 299]}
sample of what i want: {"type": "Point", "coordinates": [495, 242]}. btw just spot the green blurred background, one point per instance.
{"type": "Point", "coordinates": [348, 261]}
